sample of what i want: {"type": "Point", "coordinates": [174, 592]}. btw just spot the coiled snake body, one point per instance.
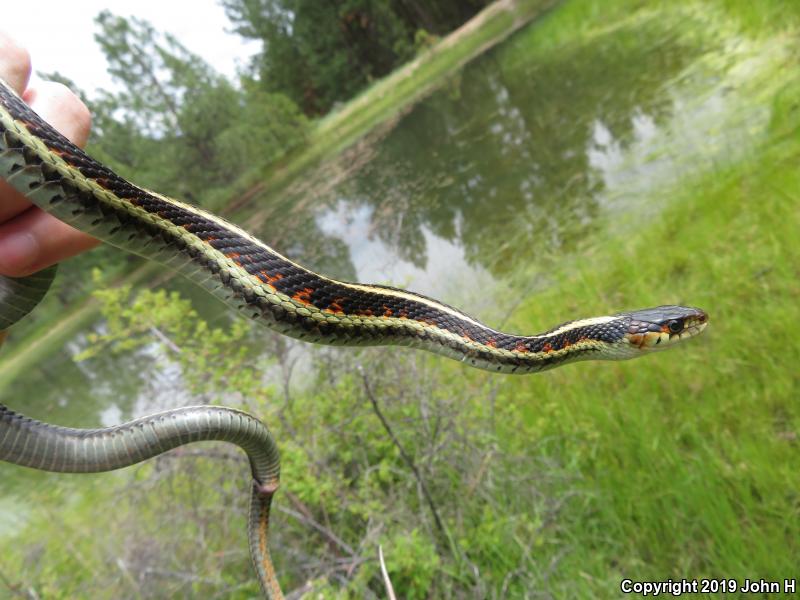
{"type": "Point", "coordinates": [267, 287]}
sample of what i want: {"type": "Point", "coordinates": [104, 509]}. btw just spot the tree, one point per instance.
{"type": "Point", "coordinates": [178, 125]}
{"type": "Point", "coordinates": [320, 53]}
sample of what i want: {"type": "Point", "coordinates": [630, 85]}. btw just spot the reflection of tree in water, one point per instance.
{"type": "Point", "coordinates": [504, 169]}
{"type": "Point", "coordinates": [287, 219]}
{"type": "Point", "coordinates": [77, 393]}
{"type": "Point", "coordinates": [321, 252]}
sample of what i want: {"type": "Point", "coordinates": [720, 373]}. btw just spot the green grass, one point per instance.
{"type": "Point", "coordinates": [688, 461]}
{"type": "Point", "coordinates": [684, 464]}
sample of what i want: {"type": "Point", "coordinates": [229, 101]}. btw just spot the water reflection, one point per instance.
{"type": "Point", "coordinates": [446, 274]}
{"type": "Point", "coordinates": [508, 164]}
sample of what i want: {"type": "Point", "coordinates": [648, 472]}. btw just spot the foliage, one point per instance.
{"type": "Point", "coordinates": [181, 127]}
{"type": "Point", "coordinates": [320, 53]}
{"type": "Point", "coordinates": [347, 484]}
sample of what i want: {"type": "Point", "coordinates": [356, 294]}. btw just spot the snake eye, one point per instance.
{"type": "Point", "coordinates": [675, 326]}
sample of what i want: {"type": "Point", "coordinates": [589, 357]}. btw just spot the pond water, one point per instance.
{"type": "Point", "coordinates": [519, 161]}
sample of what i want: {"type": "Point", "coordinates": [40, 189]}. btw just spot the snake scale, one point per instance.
{"type": "Point", "coordinates": [267, 287]}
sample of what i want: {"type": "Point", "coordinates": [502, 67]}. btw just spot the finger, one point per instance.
{"type": "Point", "coordinates": [15, 63]}
{"type": "Point", "coordinates": [64, 111]}
{"type": "Point", "coordinates": [15, 69]}
{"type": "Point", "coordinates": [60, 107]}
{"type": "Point", "coordinates": [34, 240]}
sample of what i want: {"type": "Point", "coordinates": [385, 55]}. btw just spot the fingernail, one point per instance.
{"type": "Point", "coordinates": [18, 251]}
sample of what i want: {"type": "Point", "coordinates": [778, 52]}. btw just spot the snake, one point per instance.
{"type": "Point", "coordinates": [267, 287]}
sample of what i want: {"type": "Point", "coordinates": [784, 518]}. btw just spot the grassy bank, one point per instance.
{"type": "Point", "coordinates": [53, 331]}
{"type": "Point", "coordinates": [687, 462]}
{"type": "Point", "coordinates": [398, 91]}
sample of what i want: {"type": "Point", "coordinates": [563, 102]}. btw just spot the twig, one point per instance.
{"type": "Point", "coordinates": [300, 592]}
{"type": "Point", "coordinates": [334, 541]}
{"type": "Point", "coordinates": [327, 533]}
{"type": "Point", "coordinates": [128, 577]}
{"type": "Point", "coordinates": [386, 581]}
{"type": "Point", "coordinates": [165, 340]}
{"type": "Point", "coordinates": [405, 456]}
{"type": "Point", "coordinates": [14, 588]}
{"type": "Point", "coordinates": [181, 576]}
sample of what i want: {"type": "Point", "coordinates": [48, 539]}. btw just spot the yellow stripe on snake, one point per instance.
{"type": "Point", "coordinates": [267, 287]}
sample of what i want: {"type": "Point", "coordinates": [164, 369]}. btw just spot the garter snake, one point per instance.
{"type": "Point", "coordinates": [267, 287]}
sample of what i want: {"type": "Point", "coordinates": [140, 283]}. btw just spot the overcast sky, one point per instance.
{"type": "Point", "coordinates": [59, 34]}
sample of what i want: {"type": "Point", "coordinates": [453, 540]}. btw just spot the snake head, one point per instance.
{"type": "Point", "coordinates": [657, 328]}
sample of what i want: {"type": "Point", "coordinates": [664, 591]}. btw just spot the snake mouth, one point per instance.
{"type": "Point", "coordinates": [662, 327]}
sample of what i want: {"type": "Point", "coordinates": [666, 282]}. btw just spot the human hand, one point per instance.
{"type": "Point", "coordinates": [31, 239]}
